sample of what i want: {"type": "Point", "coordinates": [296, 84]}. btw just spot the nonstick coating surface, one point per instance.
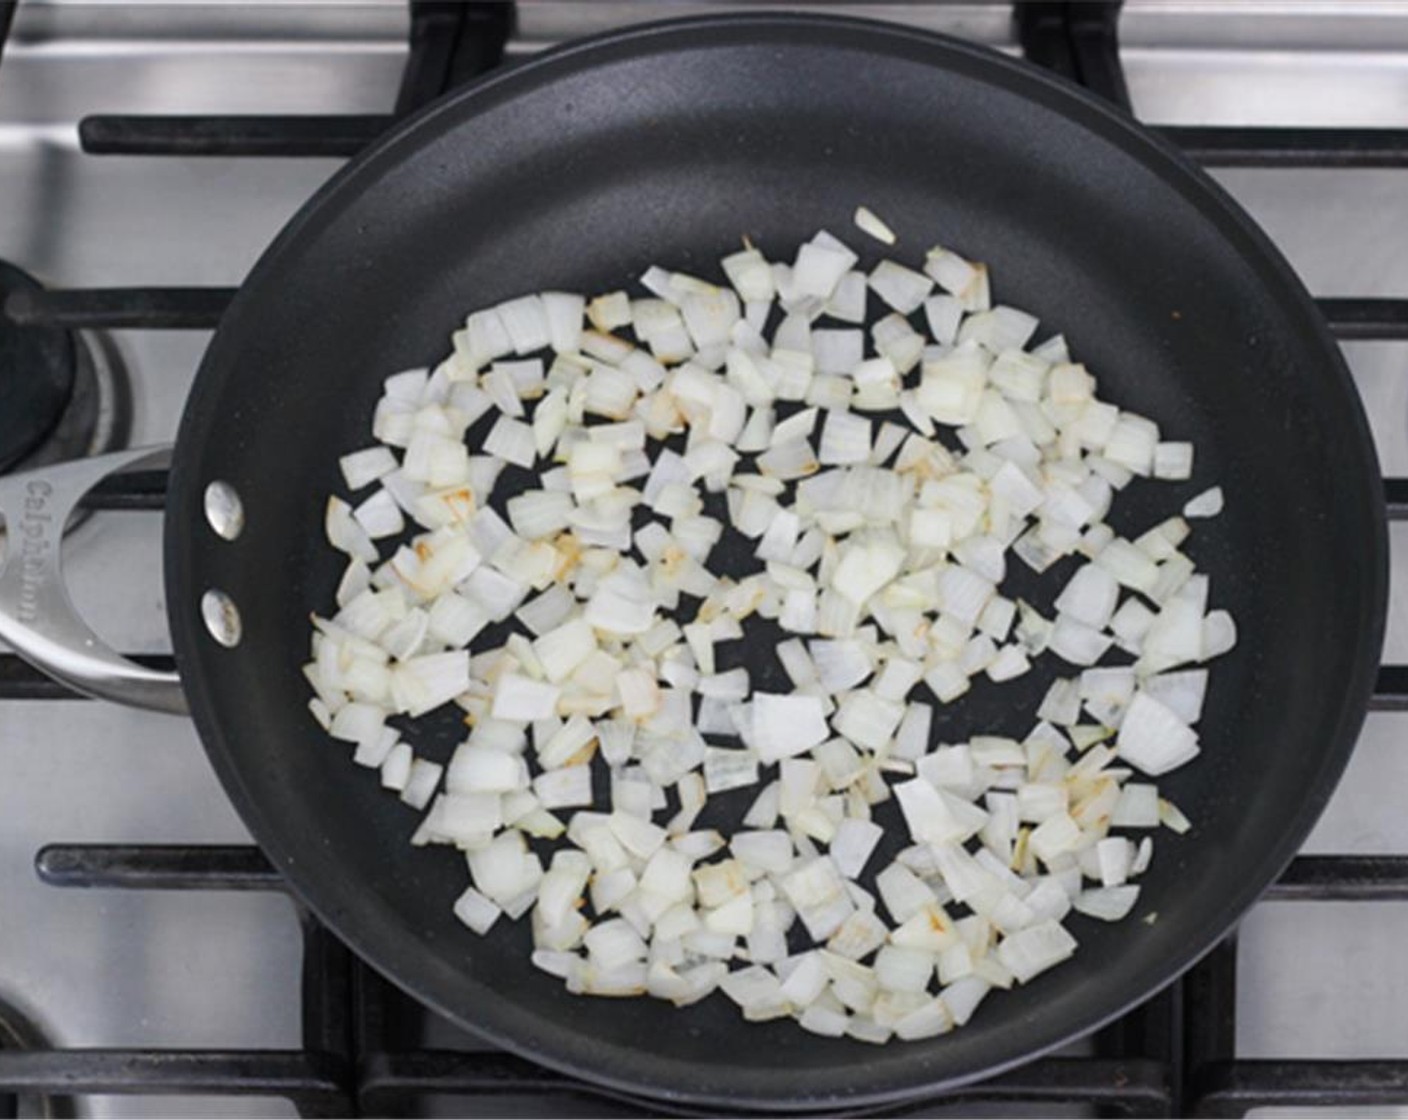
{"type": "Point", "coordinates": [665, 145]}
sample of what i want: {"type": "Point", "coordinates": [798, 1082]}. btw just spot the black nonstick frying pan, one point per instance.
{"type": "Point", "coordinates": [666, 144]}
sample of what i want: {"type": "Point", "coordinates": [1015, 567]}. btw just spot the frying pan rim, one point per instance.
{"type": "Point", "coordinates": [366, 933]}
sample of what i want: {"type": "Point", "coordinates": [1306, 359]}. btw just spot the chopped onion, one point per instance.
{"type": "Point", "coordinates": [882, 544]}
{"type": "Point", "coordinates": [726, 769]}
{"type": "Point", "coordinates": [476, 911]}
{"type": "Point", "coordinates": [786, 726]}
{"type": "Point", "coordinates": [902, 288]}
{"type": "Point", "coordinates": [1153, 738]}
{"type": "Point", "coordinates": [820, 263]}
{"type": "Point", "coordinates": [1090, 597]}
{"type": "Point", "coordinates": [1109, 904]}
{"type": "Point", "coordinates": [867, 222]}
{"type": "Point", "coordinates": [362, 468]}
{"type": "Point", "coordinates": [853, 844]}
{"type": "Point", "coordinates": [1031, 951]}
{"type": "Point", "coordinates": [523, 700]}
{"type": "Point", "coordinates": [1206, 504]}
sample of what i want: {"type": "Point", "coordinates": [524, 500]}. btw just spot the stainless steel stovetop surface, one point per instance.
{"type": "Point", "coordinates": [129, 969]}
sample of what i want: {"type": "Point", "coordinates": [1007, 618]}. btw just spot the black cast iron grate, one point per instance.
{"type": "Point", "coordinates": [1173, 1056]}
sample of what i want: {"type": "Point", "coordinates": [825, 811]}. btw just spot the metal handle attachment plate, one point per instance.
{"type": "Point", "coordinates": [37, 616]}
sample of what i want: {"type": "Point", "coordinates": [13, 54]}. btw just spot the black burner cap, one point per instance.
{"type": "Point", "coordinates": [37, 370]}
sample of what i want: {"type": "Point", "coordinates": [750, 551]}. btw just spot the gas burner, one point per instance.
{"type": "Point", "coordinates": [39, 366]}
{"type": "Point", "coordinates": [67, 393]}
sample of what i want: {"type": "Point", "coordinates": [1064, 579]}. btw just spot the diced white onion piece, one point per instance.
{"type": "Point", "coordinates": [848, 298]}
{"type": "Point", "coordinates": [1173, 461]}
{"type": "Point", "coordinates": [858, 936]}
{"type": "Point", "coordinates": [1114, 855]}
{"type": "Point", "coordinates": [769, 850]}
{"type": "Point", "coordinates": [1137, 807]}
{"type": "Point", "coordinates": [362, 468]}
{"type": "Point", "coordinates": [1031, 951]}
{"type": "Point", "coordinates": [1153, 738]}
{"type": "Point", "coordinates": [902, 288]}
{"type": "Point", "coordinates": [763, 812]}
{"type": "Point", "coordinates": [905, 895]}
{"type": "Point", "coordinates": [817, 891]}
{"type": "Point", "coordinates": [912, 735]}
{"type": "Point", "coordinates": [1131, 443]}
{"type": "Point", "coordinates": [511, 440]}
{"type": "Point", "coordinates": [904, 970]}
{"type": "Point", "coordinates": [1090, 597]}
{"type": "Point", "coordinates": [503, 869]}
{"type": "Point", "coordinates": [1011, 662]}
{"type": "Point", "coordinates": [1181, 692]}
{"type": "Point", "coordinates": [808, 979]}
{"type": "Point", "coordinates": [476, 911]}
{"type": "Point", "coordinates": [824, 1021]}
{"type": "Point", "coordinates": [1076, 642]}
{"type": "Point", "coordinates": [958, 277]}
{"type": "Point", "coordinates": [726, 769]}
{"type": "Point", "coordinates": [424, 683]}
{"type": "Point", "coordinates": [421, 782]}
{"type": "Point", "coordinates": [840, 665]}
{"type": "Point", "coordinates": [845, 438]}
{"type": "Point", "coordinates": [1129, 565]}
{"type": "Point", "coordinates": [868, 222]}
{"type": "Point", "coordinates": [837, 351]}
{"type": "Point", "coordinates": [1219, 635]}
{"type": "Point", "coordinates": [564, 787]}
{"type": "Point", "coordinates": [961, 998]}
{"type": "Point", "coordinates": [1109, 904]}
{"type": "Point", "coordinates": [853, 844]}
{"type": "Point", "coordinates": [346, 534]}
{"type": "Point", "coordinates": [523, 700]}
{"type": "Point", "coordinates": [622, 604]}
{"type": "Point", "coordinates": [820, 263]}
{"type": "Point", "coordinates": [785, 726]}
{"type": "Point", "coordinates": [1206, 504]}
{"type": "Point", "coordinates": [868, 720]}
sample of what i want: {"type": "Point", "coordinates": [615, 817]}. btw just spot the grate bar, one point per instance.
{"type": "Point", "coordinates": [161, 309]}
{"type": "Point", "coordinates": [332, 136]}
{"type": "Point", "coordinates": [1366, 320]}
{"type": "Point", "coordinates": [1396, 498]}
{"type": "Point", "coordinates": [21, 681]}
{"type": "Point", "coordinates": [1235, 1088]}
{"type": "Point", "coordinates": [244, 867]}
{"type": "Point", "coordinates": [451, 42]}
{"type": "Point", "coordinates": [1078, 39]}
{"type": "Point", "coordinates": [1343, 879]}
{"type": "Point", "coordinates": [326, 990]}
{"type": "Point", "coordinates": [1390, 689]}
{"type": "Point", "coordinates": [1134, 1087]}
{"type": "Point", "coordinates": [1221, 146]}
{"type": "Point", "coordinates": [1353, 320]}
{"type": "Point", "coordinates": [277, 1073]}
{"type": "Point", "coordinates": [158, 867]}
{"type": "Point", "coordinates": [1210, 1022]}
{"type": "Point", "coordinates": [344, 136]}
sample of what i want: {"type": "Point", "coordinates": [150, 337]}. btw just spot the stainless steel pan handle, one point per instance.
{"type": "Point", "coordinates": [37, 616]}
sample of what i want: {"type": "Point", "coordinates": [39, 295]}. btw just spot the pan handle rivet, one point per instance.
{"type": "Point", "coordinates": [222, 618]}
{"type": "Point", "coordinates": [224, 510]}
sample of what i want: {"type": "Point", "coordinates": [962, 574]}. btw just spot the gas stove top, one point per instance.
{"type": "Point", "coordinates": [149, 153]}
